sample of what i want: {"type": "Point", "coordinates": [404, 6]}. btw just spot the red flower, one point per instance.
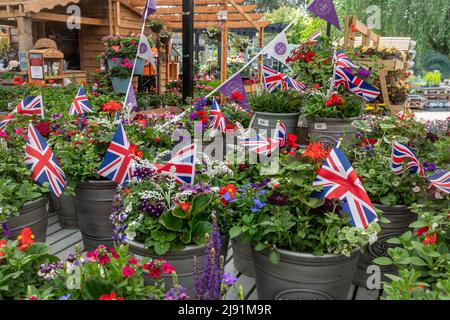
{"type": "Point", "coordinates": [142, 122]}
{"type": "Point", "coordinates": [229, 190]}
{"type": "Point", "coordinates": [236, 96]}
{"type": "Point", "coordinates": [104, 259]}
{"type": "Point", "coordinates": [111, 296]}
{"type": "Point", "coordinates": [135, 150]}
{"type": "Point", "coordinates": [33, 298]}
{"type": "Point", "coordinates": [155, 273]}
{"type": "Point", "coordinates": [315, 151]}
{"type": "Point", "coordinates": [309, 56]}
{"type": "Point", "coordinates": [127, 272]}
{"type": "Point", "coordinates": [167, 268]}
{"type": "Point", "coordinates": [3, 243]}
{"type": "Point", "coordinates": [126, 190]}
{"type": "Point", "coordinates": [292, 141]}
{"type": "Point", "coordinates": [334, 100]}
{"type": "Point", "coordinates": [430, 239]}
{"type": "Point", "coordinates": [242, 166]}
{"type": "Point", "coordinates": [185, 206]}
{"type": "Point", "coordinates": [353, 28]}
{"type": "Point", "coordinates": [113, 253]}
{"type": "Point", "coordinates": [26, 239]}
{"type": "Point", "coordinates": [133, 261]}
{"type": "Point", "coordinates": [18, 81]}
{"type": "Point", "coordinates": [367, 142]}
{"type": "Point", "coordinates": [316, 86]}
{"type": "Point", "coordinates": [112, 106]}
{"type": "Point", "coordinates": [43, 128]}
{"type": "Point", "coordinates": [421, 231]}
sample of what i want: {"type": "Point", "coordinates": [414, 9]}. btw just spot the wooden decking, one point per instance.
{"type": "Point", "coordinates": [63, 241]}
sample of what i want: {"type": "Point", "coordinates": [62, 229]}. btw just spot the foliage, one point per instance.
{"type": "Point", "coordinates": [433, 78]}
{"type": "Point", "coordinates": [422, 257]}
{"type": "Point", "coordinates": [122, 71]}
{"type": "Point", "coordinates": [279, 102]}
{"type": "Point", "coordinates": [319, 106]}
{"type": "Point", "coordinates": [117, 46]}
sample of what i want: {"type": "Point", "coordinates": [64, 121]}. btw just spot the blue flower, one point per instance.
{"type": "Point", "coordinates": [66, 297]}
{"type": "Point", "coordinates": [229, 279]}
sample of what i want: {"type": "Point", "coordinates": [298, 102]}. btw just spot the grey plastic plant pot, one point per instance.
{"type": "Point", "coordinates": [265, 121]}
{"type": "Point", "coordinates": [301, 276]}
{"type": "Point", "coordinates": [400, 217]}
{"type": "Point", "coordinates": [243, 257]}
{"type": "Point", "coordinates": [65, 210]}
{"type": "Point", "coordinates": [329, 131]}
{"type": "Point", "coordinates": [93, 205]}
{"type": "Point", "coordinates": [34, 215]}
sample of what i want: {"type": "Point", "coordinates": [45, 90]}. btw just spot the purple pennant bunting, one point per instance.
{"type": "Point", "coordinates": [235, 85]}
{"type": "Point", "coordinates": [130, 101]}
{"type": "Point", "coordinates": [150, 8]}
{"type": "Point", "coordinates": [325, 9]}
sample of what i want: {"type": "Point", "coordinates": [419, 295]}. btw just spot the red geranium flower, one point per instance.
{"type": "Point", "coordinates": [43, 128]}
{"type": "Point", "coordinates": [367, 142]}
{"type": "Point", "coordinates": [292, 141]}
{"type": "Point", "coordinates": [315, 151]}
{"type": "Point", "coordinates": [334, 100]}
{"type": "Point", "coordinates": [111, 296]}
{"type": "Point", "coordinates": [127, 272]}
{"type": "Point", "coordinates": [316, 86]}
{"type": "Point", "coordinates": [236, 96]}
{"type": "Point", "coordinates": [167, 268]}
{"type": "Point", "coordinates": [421, 231]}
{"type": "Point", "coordinates": [26, 239]}
{"type": "Point", "coordinates": [112, 106]}
{"type": "Point", "coordinates": [3, 243]}
{"type": "Point", "coordinates": [309, 56]}
{"type": "Point", "coordinates": [430, 239]}
{"type": "Point", "coordinates": [185, 206]}
{"type": "Point", "coordinates": [18, 81]}
{"type": "Point", "coordinates": [135, 150]}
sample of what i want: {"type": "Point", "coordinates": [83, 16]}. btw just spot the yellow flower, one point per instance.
{"type": "Point", "coordinates": [369, 107]}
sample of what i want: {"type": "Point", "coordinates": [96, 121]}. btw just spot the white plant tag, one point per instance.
{"type": "Point", "coordinates": [263, 122]}
{"type": "Point", "coordinates": [320, 126]}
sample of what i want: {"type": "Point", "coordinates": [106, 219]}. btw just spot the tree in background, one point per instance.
{"type": "Point", "coordinates": [269, 5]}
{"type": "Point", "coordinates": [426, 22]}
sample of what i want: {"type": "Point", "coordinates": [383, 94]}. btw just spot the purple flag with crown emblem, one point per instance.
{"type": "Point", "coordinates": [325, 9]}
{"type": "Point", "coordinates": [150, 8]}
{"type": "Point", "coordinates": [234, 90]}
{"type": "Point", "coordinates": [130, 99]}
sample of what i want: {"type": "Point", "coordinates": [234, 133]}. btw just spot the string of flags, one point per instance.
{"type": "Point", "coordinates": [402, 154]}
{"type": "Point", "coordinates": [274, 81]}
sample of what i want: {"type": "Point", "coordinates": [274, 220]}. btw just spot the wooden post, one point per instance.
{"type": "Point", "coordinates": [117, 17]}
{"type": "Point", "coordinates": [261, 45]}
{"type": "Point", "coordinates": [25, 34]}
{"type": "Point", "coordinates": [224, 48]}
{"type": "Point", "coordinates": [384, 90]}
{"type": "Point", "coordinates": [110, 17]}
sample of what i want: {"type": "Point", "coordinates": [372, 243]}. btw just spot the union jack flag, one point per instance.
{"type": "Point", "coordinates": [402, 153]}
{"type": "Point", "coordinates": [119, 161]}
{"type": "Point", "coordinates": [260, 144]}
{"type": "Point", "coordinates": [10, 117]}
{"type": "Point", "coordinates": [281, 134]}
{"type": "Point", "coordinates": [313, 39]}
{"type": "Point", "coordinates": [182, 165]}
{"type": "Point", "coordinates": [356, 85]}
{"type": "Point", "coordinates": [342, 60]}
{"type": "Point", "coordinates": [340, 181]}
{"type": "Point", "coordinates": [273, 80]}
{"type": "Point", "coordinates": [80, 104]}
{"type": "Point", "coordinates": [43, 163]}
{"type": "Point", "coordinates": [441, 180]}
{"type": "Point", "coordinates": [216, 118]}
{"type": "Point", "coordinates": [294, 84]}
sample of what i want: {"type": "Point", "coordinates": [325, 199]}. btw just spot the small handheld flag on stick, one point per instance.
{"type": "Point", "coordinates": [80, 104]}
{"type": "Point", "coordinates": [402, 153]}
{"type": "Point", "coordinates": [182, 165]}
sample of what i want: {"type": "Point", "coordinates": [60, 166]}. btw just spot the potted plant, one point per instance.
{"type": "Point", "coordinates": [23, 202]}
{"type": "Point", "coordinates": [421, 257]}
{"type": "Point", "coordinates": [304, 248]}
{"type": "Point", "coordinates": [213, 33]}
{"type": "Point", "coordinates": [119, 50]}
{"type": "Point", "coordinates": [269, 108]}
{"type": "Point", "coordinates": [156, 25]}
{"type": "Point", "coordinates": [164, 37]}
{"type": "Point", "coordinates": [391, 193]}
{"type": "Point", "coordinates": [157, 217]}
{"type": "Point", "coordinates": [120, 76]}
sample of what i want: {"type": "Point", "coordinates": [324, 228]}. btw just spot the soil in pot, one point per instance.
{"type": "Point", "coordinates": [93, 205]}
{"type": "Point", "coordinates": [34, 215]}
{"type": "Point", "coordinates": [329, 131]}
{"type": "Point", "coordinates": [243, 257]}
{"type": "Point", "coordinates": [65, 210]}
{"type": "Point", "coordinates": [400, 217]}
{"type": "Point", "coordinates": [300, 276]}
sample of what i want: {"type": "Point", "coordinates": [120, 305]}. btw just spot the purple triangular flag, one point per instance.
{"type": "Point", "coordinates": [235, 85]}
{"type": "Point", "coordinates": [325, 9]}
{"type": "Point", "coordinates": [150, 8]}
{"type": "Point", "coordinates": [130, 100]}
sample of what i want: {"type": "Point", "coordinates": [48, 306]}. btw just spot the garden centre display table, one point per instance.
{"type": "Point", "coordinates": [63, 241]}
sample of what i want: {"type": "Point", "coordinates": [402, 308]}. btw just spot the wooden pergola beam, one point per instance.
{"type": "Point", "coordinates": [248, 17]}
{"type": "Point", "coordinates": [205, 9]}
{"type": "Point", "coordinates": [212, 17]}
{"type": "Point", "coordinates": [231, 25]}
{"type": "Point", "coordinates": [141, 3]}
{"type": "Point", "coordinates": [63, 18]}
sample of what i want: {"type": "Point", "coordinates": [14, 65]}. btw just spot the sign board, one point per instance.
{"type": "Point", "coordinates": [23, 61]}
{"type": "Point", "coordinates": [36, 66]}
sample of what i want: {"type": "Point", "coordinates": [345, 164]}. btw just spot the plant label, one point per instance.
{"type": "Point", "coordinates": [263, 122]}
{"type": "Point", "coordinates": [320, 126]}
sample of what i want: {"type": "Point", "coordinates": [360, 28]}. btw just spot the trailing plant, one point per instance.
{"type": "Point", "coordinates": [279, 102]}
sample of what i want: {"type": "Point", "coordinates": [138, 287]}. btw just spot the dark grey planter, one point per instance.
{"type": "Point", "coordinates": [34, 215]}
{"type": "Point", "coordinates": [400, 217]}
{"type": "Point", "coordinates": [243, 257]}
{"type": "Point", "coordinates": [93, 205]}
{"type": "Point", "coordinates": [267, 122]}
{"type": "Point", "coordinates": [329, 131]}
{"type": "Point", "coordinates": [300, 276]}
{"type": "Point", "coordinates": [65, 210]}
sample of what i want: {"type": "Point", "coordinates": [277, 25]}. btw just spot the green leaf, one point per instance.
{"type": "Point", "coordinates": [418, 224]}
{"type": "Point", "coordinates": [199, 230]}
{"type": "Point", "coordinates": [171, 222]}
{"type": "Point", "coordinates": [186, 237]}
{"type": "Point", "coordinates": [416, 261]}
{"type": "Point", "coordinates": [161, 247]}
{"type": "Point", "coordinates": [235, 232]}
{"type": "Point", "coordinates": [274, 256]}
{"type": "Point", "coordinates": [260, 247]}
{"type": "Point", "coordinates": [393, 241]}
{"type": "Point", "coordinates": [383, 261]}
{"type": "Point", "coordinates": [362, 125]}
{"type": "Point", "coordinates": [96, 287]}
{"type": "Point", "coordinates": [180, 213]}
{"type": "Point", "coordinates": [200, 203]}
